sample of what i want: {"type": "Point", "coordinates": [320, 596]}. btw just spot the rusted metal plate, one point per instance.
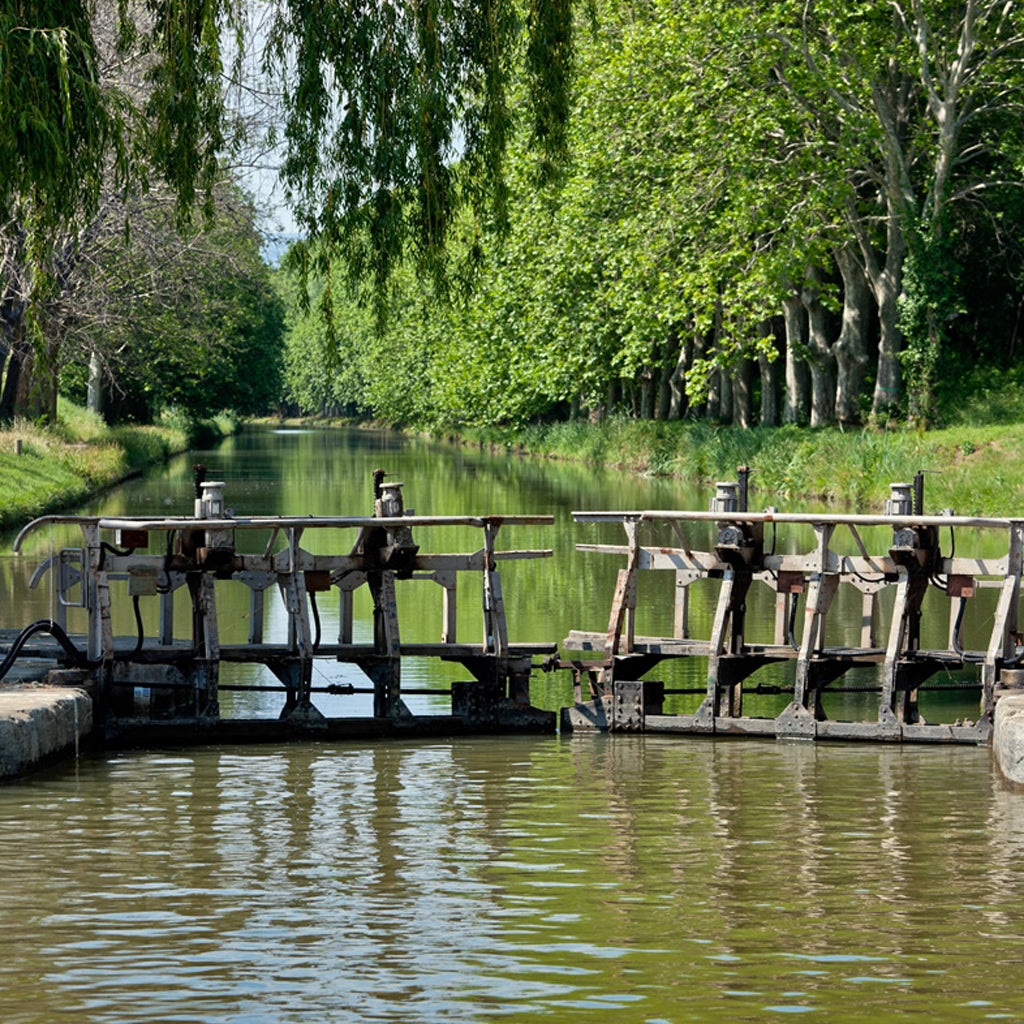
{"type": "Point", "coordinates": [960, 586]}
{"type": "Point", "coordinates": [317, 581]}
{"type": "Point", "coordinates": [132, 539]}
{"type": "Point", "coordinates": [790, 582]}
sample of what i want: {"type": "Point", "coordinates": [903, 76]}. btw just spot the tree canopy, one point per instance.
{"type": "Point", "coordinates": [810, 206]}
{"type": "Point", "coordinates": [115, 116]}
{"type": "Point", "coordinates": [662, 207]}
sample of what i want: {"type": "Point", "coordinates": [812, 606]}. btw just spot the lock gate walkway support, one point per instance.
{"type": "Point", "coordinates": [179, 677]}
{"type": "Point", "coordinates": [909, 567]}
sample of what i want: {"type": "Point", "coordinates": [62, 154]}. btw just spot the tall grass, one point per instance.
{"type": "Point", "coordinates": [44, 470]}
{"type": "Point", "coordinates": [972, 467]}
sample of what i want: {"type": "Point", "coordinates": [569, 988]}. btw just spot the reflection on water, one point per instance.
{"type": "Point", "coordinates": [617, 878]}
{"type": "Point", "coordinates": [626, 879]}
{"type": "Point", "coordinates": [328, 472]}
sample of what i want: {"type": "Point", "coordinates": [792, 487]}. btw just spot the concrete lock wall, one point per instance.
{"type": "Point", "coordinates": [38, 722]}
{"type": "Point", "coordinates": [1008, 737]}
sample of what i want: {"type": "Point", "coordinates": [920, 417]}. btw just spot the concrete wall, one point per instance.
{"type": "Point", "coordinates": [1008, 737]}
{"type": "Point", "coordinates": [39, 722]}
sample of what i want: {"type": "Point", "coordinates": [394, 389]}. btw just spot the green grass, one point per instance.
{"type": "Point", "coordinates": [61, 466]}
{"type": "Point", "coordinates": [973, 467]}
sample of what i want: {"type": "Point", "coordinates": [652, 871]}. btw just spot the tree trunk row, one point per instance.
{"type": "Point", "coordinates": [817, 374]}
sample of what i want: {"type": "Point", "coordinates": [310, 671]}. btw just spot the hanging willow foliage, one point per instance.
{"type": "Point", "coordinates": [384, 100]}
{"type": "Point", "coordinates": [65, 132]}
{"type": "Point", "coordinates": [396, 112]}
{"type": "Point", "coordinates": [54, 125]}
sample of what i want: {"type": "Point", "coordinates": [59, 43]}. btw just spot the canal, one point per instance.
{"type": "Point", "coordinates": [584, 878]}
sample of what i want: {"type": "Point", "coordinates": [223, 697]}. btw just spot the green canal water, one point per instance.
{"type": "Point", "coordinates": [580, 878]}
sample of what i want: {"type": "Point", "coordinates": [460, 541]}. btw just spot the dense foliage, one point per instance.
{"type": "Point", "coordinates": [752, 210]}
{"type": "Point", "coordinates": [112, 127]}
{"type": "Point", "coordinates": [807, 211]}
{"type": "Point", "coordinates": [176, 319]}
{"type": "Point", "coordinates": [393, 119]}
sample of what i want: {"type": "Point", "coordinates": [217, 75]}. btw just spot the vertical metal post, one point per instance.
{"type": "Point", "coordinates": [449, 609]}
{"type": "Point", "coordinates": [782, 605]}
{"type": "Point", "coordinates": [681, 616]}
{"type": "Point", "coordinates": [300, 635]}
{"type": "Point", "coordinates": [1002, 643]}
{"type": "Point", "coordinates": [624, 600]}
{"type": "Point", "coordinates": [898, 702]}
{"type": "Point", "coordinates": [386, 675]}
{"type": "Point", "coordinates": [167, 617]}
{"type": "Point", "coordinates": [256, 602]}
{"type": "Point", "coordinates": [211, 646]}
{"type": "Point", "coordinates": [868, 618]}
{"type": "Point", "coordinates": [100, 642]}
{"type": "Point", "coordinates": [821, 590]}
{"type": "Point", "coordinates": [347, 586]}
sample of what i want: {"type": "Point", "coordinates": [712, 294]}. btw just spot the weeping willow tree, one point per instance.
{"type": "Point", "coordinates": [66, 133]}
{"type": "Point", "coordinates": [99, 100]}
{"type": "Point", "coordinates": [379, 103]}
{"type": "Point", "coordinates": [384, 101]}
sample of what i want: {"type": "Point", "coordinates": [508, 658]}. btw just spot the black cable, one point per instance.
{"type": "Point", "coordinates": [316, 621]}
{"type": "Point", "coordinates": [167, 587]}
{"type": "Point", "coordinates": [1015, 660]}
{"type": "Point", "coordinates": [936, 579]}
{"type": "Point", "coordinates": [866, 579]}
{"type": "Point", "coordinates": [78, 659]}
{"type": "Point", "coordinates": [792, 620]}
{"type": "Point", "coordinates": [105, 547]}
{"type": "Point", "coordinates": [140, 633]}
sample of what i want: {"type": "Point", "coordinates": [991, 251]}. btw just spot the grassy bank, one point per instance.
{"type": "Point", "coordinates": [47, 469]}
{"type": "Point", "coordinates": [972, 468]}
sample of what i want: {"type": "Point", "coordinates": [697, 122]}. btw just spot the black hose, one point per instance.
{"type": "Point", "coordinates": [792, 620]}
{"type": "Point", "coordinates": [78, 659]}
{"type": "Point", "coordinates": [51, 627]}
{"type": "Point", "coordinates": [959, 648]}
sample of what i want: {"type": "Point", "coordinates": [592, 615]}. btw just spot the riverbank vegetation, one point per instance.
{"type": "Point", "coordinates": [974, 469]}
{"type": "Point", "coordinates": [771, 214]}
{"type": "Point", "coordinates": [48, 468]}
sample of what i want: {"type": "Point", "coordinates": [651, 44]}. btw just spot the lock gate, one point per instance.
{"type": "Point", "coordinates": [892, 582]}
{"type": "Point", "coordinates": [177, 670]}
